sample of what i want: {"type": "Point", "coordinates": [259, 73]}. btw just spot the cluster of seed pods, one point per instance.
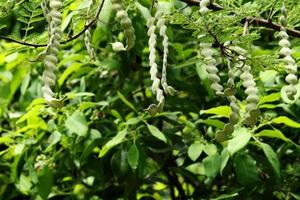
{"type": "Point", "coordinates": [154, 23]}
{"type": "Point", "coordinates": [126, 24]}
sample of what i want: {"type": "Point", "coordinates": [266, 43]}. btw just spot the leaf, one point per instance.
{"type": "Point", "coordinates": [24, 184]}
{"type": "Point", "coordinates": [133, 156]}
{"type": "Point", "coordinates": [287, 121]}
{"type": "Point", "coordinates": [241, 139]}
{"type": "Point", "coordinates": [222, 111]}
{"type": "Point", "coordinates": [53, 139]}
{"type": "Point", "coordinates": [212, 165]}
{"type": "Point", "coordinates": [195, 150]}
{"type": "Point", "coordinates": [224, 159]}
{"type": "Point", "coordinates": [273, 134]}
{"type": "Point", "coordinates": [246, 170]}
{"type": "Point", "coordinates": [45, 181]}
{"type": "Point", "coordinates": [212, 122]}
{"type": "Point", "coordinates": [77, 123]}
{"type": "Point", "coordinates": [272, 158]}
{"type": "Point", "coordinates": [157, 133]}
{"type": "Point", "coordinates": [123, 98]}
{"type": "Point", "coordinates": [226, 196]}
{"type": "Point", "coordinates": [269, 98]}
{"type": "Point", "coordinates": [196, 168]}
{"type": "Point", "coordinates": [210, 149]}
{"type": "Point", "coordinates": [113, 142]}
{"type": "Point", "coordinates": [72, 68]}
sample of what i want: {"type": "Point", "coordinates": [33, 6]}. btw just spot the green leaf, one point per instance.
{"type": "Point", "coordinates": [246, 170]}
{"type": "Point", "coordinates": [212, 165]}
{"type": "Point", "coordinates": [269, 98]}
{"type": "Point", "coordinates": [45, 181]}
{"type": "Point", "coordinates": [272, 158]}
{"type": "Point", "coordinates": [24, 184]}
{"type": "Point", "coordinates": [133, 156]}
{"type": "Point", "coordinates": [157, 133]}
{"type": "Point", "coordinates": [226, 196]}
{"type": "Point", "coordinates": [123, 98]}
{"type": "Point", "coordinates": [287, 121]}
{"type": "Point", "coordinates": [77, 123]}
{"type": "Point", "coordinates": [273, 134]}
{"type": "Point", "coordinates": [222, 111]}
{"type": "Point", "coordinates": [113, 142]}
{"type": "Point", "coordinates": [195, 150]}
{"type": "Point", "coordinates": [241, 139]}
{"type": "Point", "coordinates": [210, 149]}
{"type": "Point", "coordinates": [224, 159]}
{"type": "Point", "coordinates": [53, 139]}
{"type": "Point", "coordinates": [212, 122]}
{"type": "Point", "coordinates": [72, 68]}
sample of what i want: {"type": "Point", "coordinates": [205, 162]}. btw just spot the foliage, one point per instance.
{"type": "Point", "coordinates": [104, 143]}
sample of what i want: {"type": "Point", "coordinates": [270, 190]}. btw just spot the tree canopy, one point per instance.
{"type": "Point", "coordinates": [149, 99]}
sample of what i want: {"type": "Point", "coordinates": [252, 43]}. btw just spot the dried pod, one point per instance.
{"type": "Point", "coordinates": [290, 64]}
{"type": "Point", "coordinates": [234, 116]}
{"type": "Point", "coordinates": [51, 60]}
{"type": "Point", "coordinates": [162, 32]}
{"type": "Point", "coordinates": [154, 68]}
{"type": "Point", "coordinates": [126, 24]}
{"type": "Point", "coordinates": [87, 40]}
{"type": "Point", "coordinates": [207, 52]}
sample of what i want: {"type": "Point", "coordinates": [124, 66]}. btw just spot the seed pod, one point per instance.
{"type": "Point", "coordinates": [162, 32]}
{"type": "Point", "coordinates": [290, 64]}
{"type": "Point", "coordinates": [207, 52]}
{"type": "Point", "coordinates": [153, 69]}
{"type": "Point", "coordinates": [234, 116]}
{"type": "Point", "coordinates": [252, 111]}
{"type": "Point", "coordinates": [50, 62]}
{"type": "Point", "coordinates": [126, 24]}
{"type": "Point", "coordinates": [203, 6]}
{"type": "Point", "coordinates": [87, 39]}
{"type": "Point", "coordinates": [46, 10]}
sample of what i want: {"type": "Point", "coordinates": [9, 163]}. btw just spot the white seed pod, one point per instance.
{"type": "Point", "coordinates": [290, 64]}
{"type": "Point", "coordinates": [51, 61]}
{"type": "Point", "coordinates": [126, 24]}
{"type": "Point", "coordinates": [203, 6]}
{"type": "Point", "coordinates": [207, 52]}
{"type": "Point", "coordinates": [153, 108]}
{"type": "Point", "coordinates": [162, 32]}
{"type": "Point", "coordinates": [88, 39]}
{"type": "Point", "coordinates": [252, 111]}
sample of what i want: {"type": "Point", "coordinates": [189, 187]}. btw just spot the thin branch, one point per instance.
{"type": "Point", "coordinates": [87, 26]}
{"type": "Point", "coordinates": [252, 20]}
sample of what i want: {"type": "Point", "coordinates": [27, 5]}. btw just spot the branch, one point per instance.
{"type": "Point", "coordinates": [252, 20]}
{"type": "Point", "coordinates": [87, 26]}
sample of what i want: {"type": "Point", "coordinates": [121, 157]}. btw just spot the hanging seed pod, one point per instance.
{"type": "Point", "coordinates": [153, 108]}
{"type": "Point", "coordinates": [126, 24]}
{"type": "Point", "coordinates": [252, 111]}
{"type": "Point", "coordinates": [162, 32]}
{"type": "Point", "coordinates": [234, 116]}
{"type": "Point", "coordinates": [87, 39]}
{"type": "Point", "coordinates": [50, 62]}
{"type": "Point", "coordinates": [46, 10]}
{"type": "Point", "coordinates": [207, 52]}
{"type": "Point", "coordinates": [290, 64]}
{"type": "Point", "coordinates": [203, 6]}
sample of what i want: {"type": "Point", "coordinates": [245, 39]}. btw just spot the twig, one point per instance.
{"type": "Point", "coordinates": [87, 26]}
{"type": "Point", "coordinates": [252, 20]}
